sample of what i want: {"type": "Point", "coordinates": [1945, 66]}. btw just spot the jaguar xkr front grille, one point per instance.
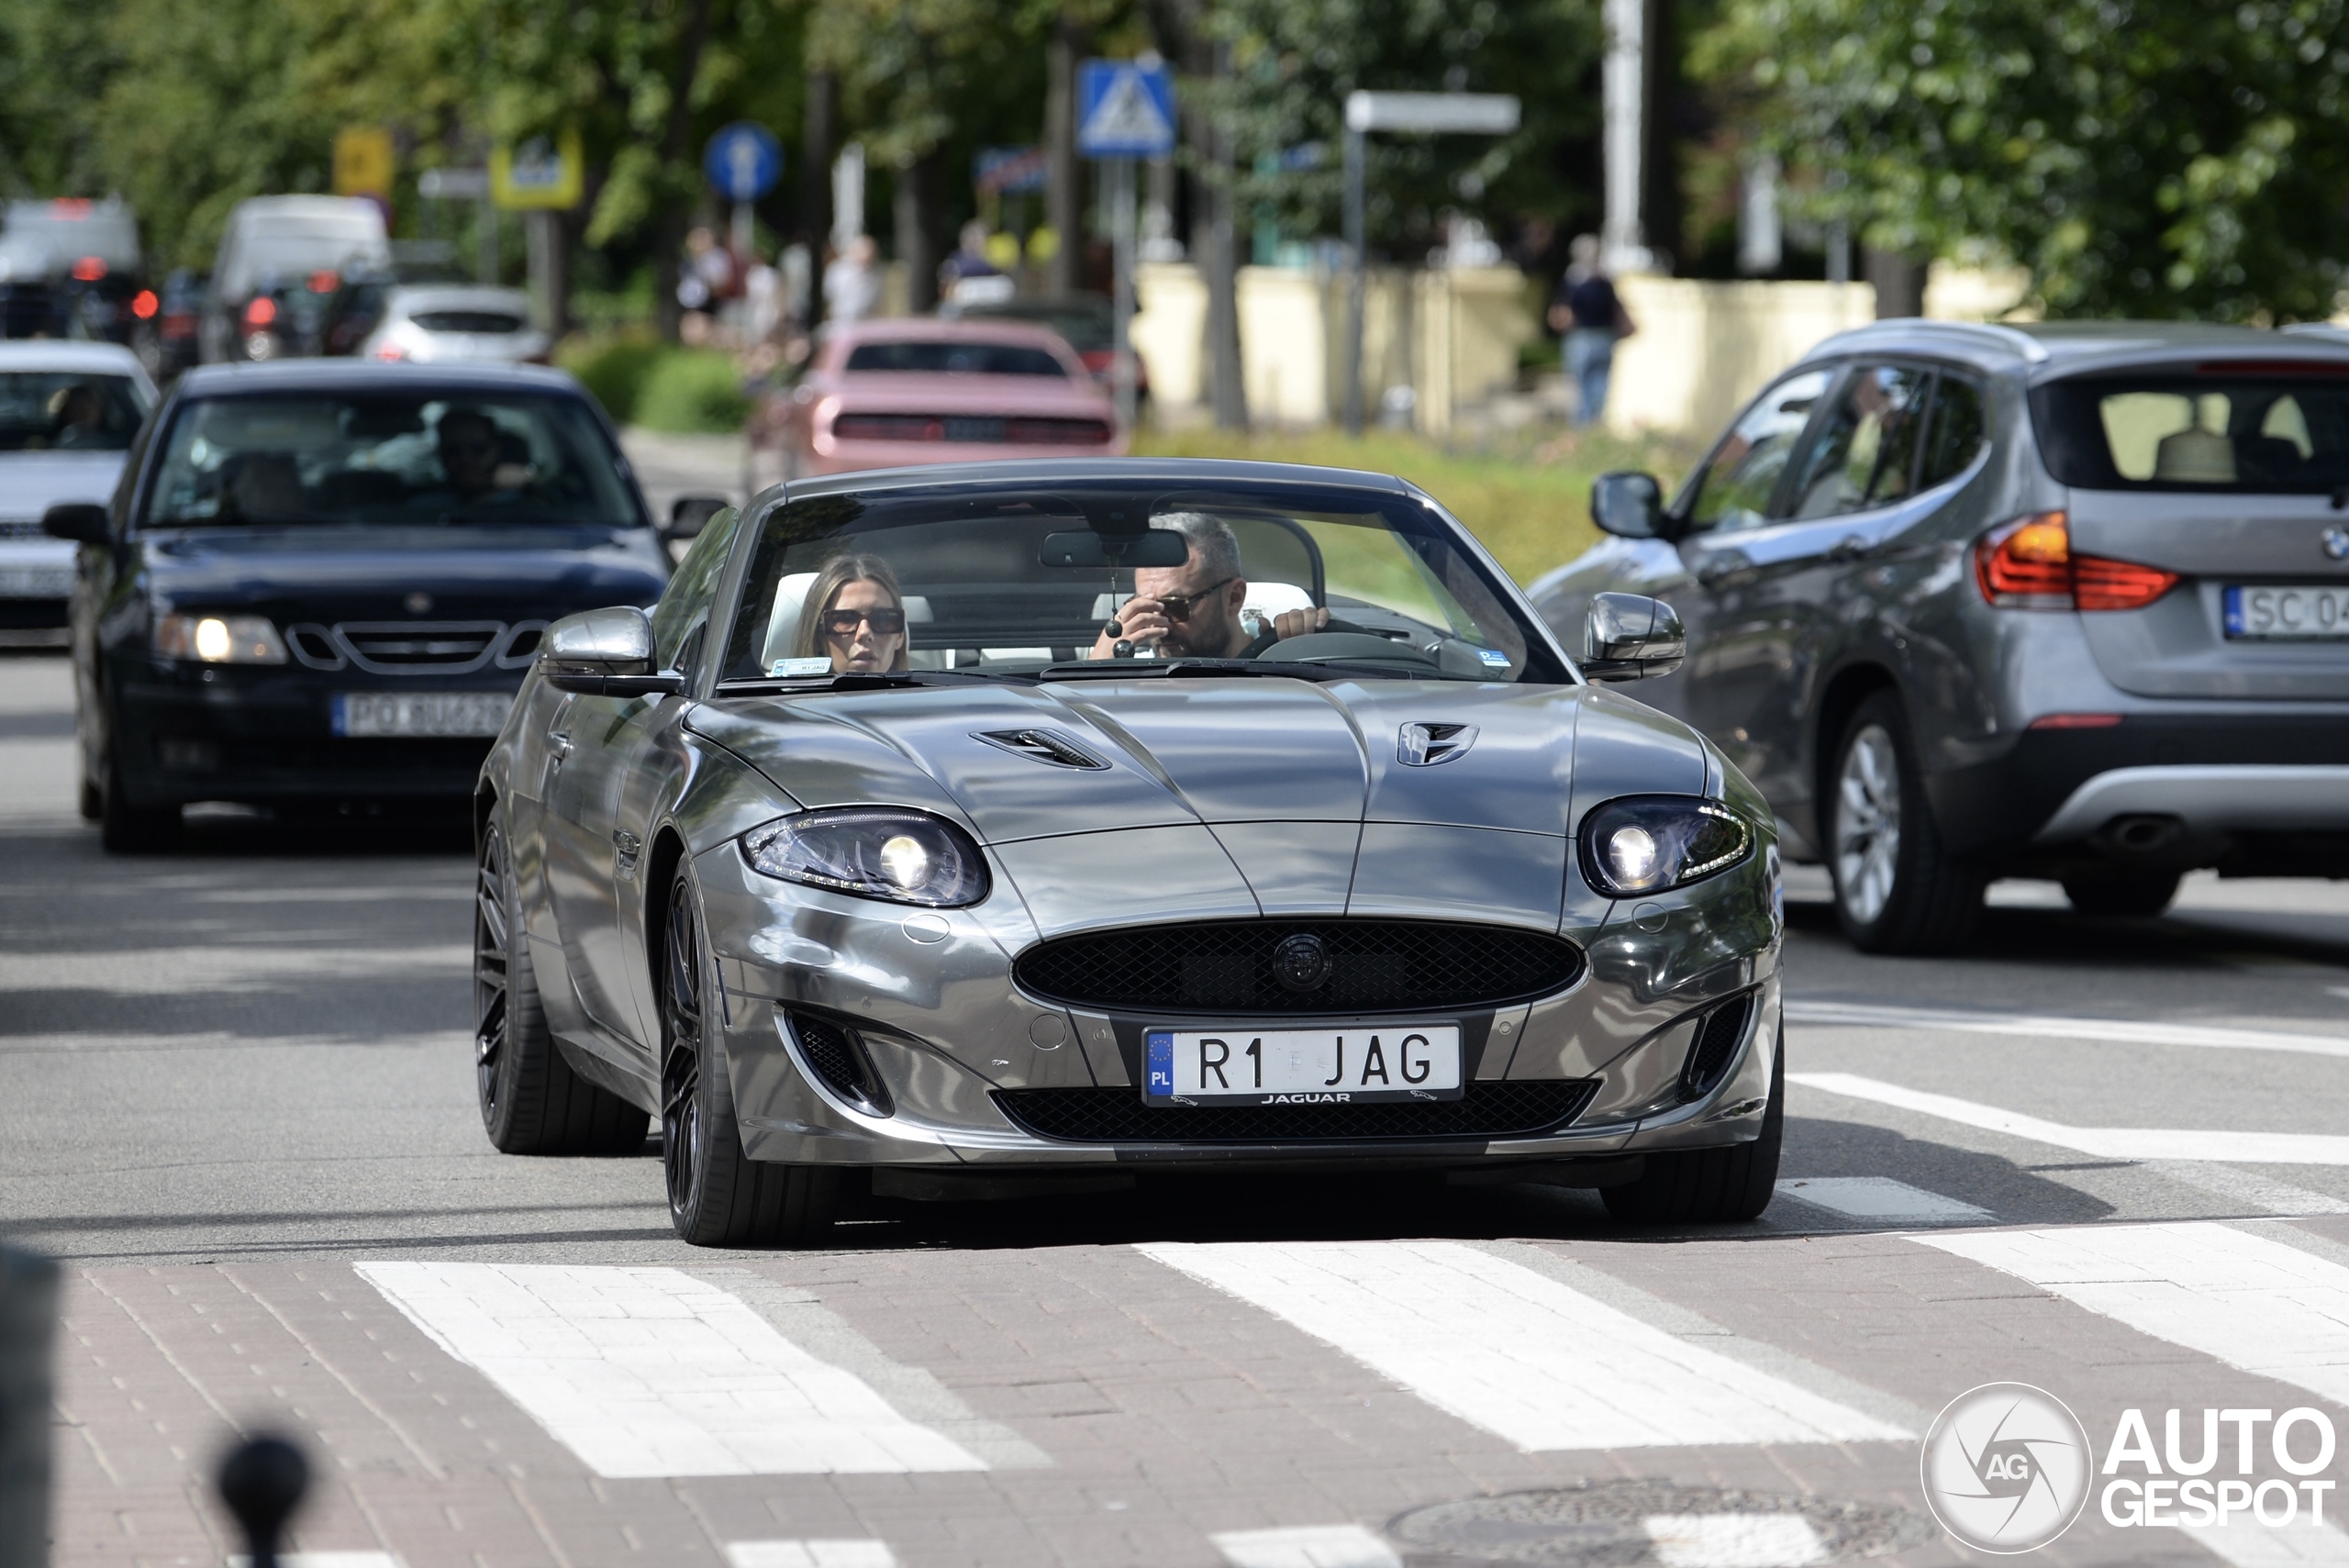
{"type": "Point", "coordinates": [1486, 1110]}
{"type": "Point", "coordinates": [1251, 967]}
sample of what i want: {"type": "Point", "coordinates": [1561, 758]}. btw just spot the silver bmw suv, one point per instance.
{"type": "Point", "coordinates": [1976, 601]}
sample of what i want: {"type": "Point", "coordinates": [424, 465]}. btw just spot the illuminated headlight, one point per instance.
{"type": "Point", "coordinates": [219, 640]}
{"type": "Point", "coordinates": [905, 857]}
{"type": "Point", "coordinates": [1649, 843]}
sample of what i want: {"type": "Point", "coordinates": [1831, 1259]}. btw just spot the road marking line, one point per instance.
{"type": "Point", "coordinates": [1880, 1197]}
{"type": "Point", "coordinates": [2249, 1188]}
{"type": "Point", "coordinates": [1515, 1351]}
{"type": "Point", "coordinates": [2106, 1143]}
{"type": "Point", "coordinates": [2268, 1309]}
{"type": "Point", "coordinates": [323, 1559]}
{"type": "Point", "coordinates": [810, 1554]}
{"type": "Point", "coordinates": [652, 1373]}
{"type": "Point", "coordinates": [1734, 1541]}
{"type": "Point", "coordinates": [2248, 1544]}
{"type": "Point", "coordinates": [2047, 1026]}
{"type": "Point", "coordinates": [1309, 1546]}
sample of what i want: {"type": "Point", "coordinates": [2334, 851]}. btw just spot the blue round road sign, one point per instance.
{"type": "Point", "coordinates": [743, 161]}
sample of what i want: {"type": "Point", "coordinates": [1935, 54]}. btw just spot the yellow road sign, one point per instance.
{"type": "Point", "coordinates": [543, 171]}
{"type": "Point", "coordinates": [363, 162]}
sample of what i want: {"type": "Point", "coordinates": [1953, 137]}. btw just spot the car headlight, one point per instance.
{"type": "Point", "coordinates": [1648, 843]}
{"type": "Point", "coordinates": [905, 857]}
{"type": "Point", "coordinates": [219, 640]}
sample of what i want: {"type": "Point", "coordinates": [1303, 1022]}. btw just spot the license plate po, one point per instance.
{"type": "Point", "coordinates": [1355, 1065]}
{"type": "Point", "coordinates": [421, 715]}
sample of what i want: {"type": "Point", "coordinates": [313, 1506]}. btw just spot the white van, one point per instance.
{"type": "Point", "coordinates": [279, 261]}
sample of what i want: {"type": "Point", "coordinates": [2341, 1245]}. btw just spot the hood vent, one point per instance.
{"type": "Point", "coordinates": [1045, 746]}
{"type": "Point", "coordinates": [1425, 745]}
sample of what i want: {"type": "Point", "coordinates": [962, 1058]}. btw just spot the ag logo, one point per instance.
{"type": "Point", "coordinates": [2007, 1467]}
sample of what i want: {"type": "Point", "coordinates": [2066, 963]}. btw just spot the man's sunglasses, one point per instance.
{"type": "Point", "coordinates": [885, 623]}
{"type": "Point", "coordinates": [1177, 606]}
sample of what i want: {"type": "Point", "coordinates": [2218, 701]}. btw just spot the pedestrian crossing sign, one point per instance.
{"type": "Point", "coordinates": [1125, 108]}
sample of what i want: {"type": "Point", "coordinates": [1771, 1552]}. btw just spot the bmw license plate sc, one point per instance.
{"type": "Point", "coordinates": [437, 714]}
{"type": "Point", "coordinates": [1327, 1066]}
{"type": "Point", "coordinates": [2296, 612]}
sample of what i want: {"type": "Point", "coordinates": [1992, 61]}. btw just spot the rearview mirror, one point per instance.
{"type": "Point", "coordinates": [605, 653]}
{"type": "Point", "coordinates": [1082, 547]}
{"type": "Point", "coordinates": [1628, 637]}
{"type": "Point", "coordinates": [688, 514]}
{"type": "Point", "coordinates": [1628, 506]}
{"type": "Point", "coordinates": [84, 522]}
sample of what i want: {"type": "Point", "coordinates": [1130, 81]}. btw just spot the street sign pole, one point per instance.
{"type": "Point", "coordinates": [1125, 112]}
{"type": "Point", "coordinates": [1354, 280]}
{"type": "Point", "coordinates": [1123, 241]}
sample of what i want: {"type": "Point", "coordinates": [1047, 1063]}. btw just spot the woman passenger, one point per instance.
{"type": "Point", "coordinates": [855, 616]}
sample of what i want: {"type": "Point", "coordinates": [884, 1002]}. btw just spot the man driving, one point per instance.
{"type": "Point", "coordinates": [469, 453]}
{"type": "Point", "coordinates": [1192, 611]}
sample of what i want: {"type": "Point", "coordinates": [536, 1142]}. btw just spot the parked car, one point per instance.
{"type": "Point", "coordinates": [1978, 601]}
{"type": "Point", "coordinates": [68, 268]}
{"type": "Point", "coordinates": [907, 891]}
{"type": "Point", "coordinates": [167, 321]}
{"type": "Point", "coordinates": [356, 308]}
{"type": "Point", "coordinates": [280, 260]}
{"type": "Point", "coordinates": [323, 581]}
{"type": "Point", "coordinates": [1085, 321]}
{"type": "Point", "coordinates": [445, 324]}
{"type": "Point", "coordinates": [886, 393]}
{"type": "Point", "coordinates": [68, 413]}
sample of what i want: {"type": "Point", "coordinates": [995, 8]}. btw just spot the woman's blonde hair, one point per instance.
{"type": "Point", "coordinates": [807, 642]}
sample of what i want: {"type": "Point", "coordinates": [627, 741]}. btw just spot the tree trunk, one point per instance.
{"type": "Point", "coordinates": [1899, 281]}
{"type": "Point", "coordinates": [1063, 175]}
{"type": "Point", "coordinates": [676, 209]}
{"type": "Point", "coordinates": [917, 220]}
{"type": "Point", "coordinates": [1231, 390]}
{"type": "Point", "coordinates": [816, 184]}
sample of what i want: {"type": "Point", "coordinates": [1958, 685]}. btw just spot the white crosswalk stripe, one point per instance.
{"type": "Point", "coordinates": [2054, 1026]}
{"type": "Point", "coordinates": [649, 1372]}
{"type": "Point", "coordinates": [2104, 1142]}
{"type": "Point", "coordinates": [2245, 1300]}
{"type": "Point", "coordinates": [1305, 1546]}
{"type": "Point", "coordinates": [1510, 1351]}
{"type": "Point", "coordinates": [810, 1554]}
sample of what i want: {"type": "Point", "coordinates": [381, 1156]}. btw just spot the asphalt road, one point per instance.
{"type": "Point", "coordinates": [235, 1096]}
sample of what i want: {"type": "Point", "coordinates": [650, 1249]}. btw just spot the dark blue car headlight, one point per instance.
{"type": "Point", "coordinates": [1649, 843]}
{"type": "Point", "coordinates": [905, 857]}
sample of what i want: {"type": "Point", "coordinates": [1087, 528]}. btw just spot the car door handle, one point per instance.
{"type": "Point", "coordinates": [1850, 548]}
{"type": "Point", "coordinates": [1715, 570]}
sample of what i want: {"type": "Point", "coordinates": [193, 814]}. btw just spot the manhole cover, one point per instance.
{"type": "Point", "coordinates": [1647, 1524]}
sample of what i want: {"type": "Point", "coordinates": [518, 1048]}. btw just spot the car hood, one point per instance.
{"type": "Point", "coordinates": [329, 573]}
{"type": "Point", "coordinates": [1263, 791]}
{"type": "Point", "coordinates": [31, 483]}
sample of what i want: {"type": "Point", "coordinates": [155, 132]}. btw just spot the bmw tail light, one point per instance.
{"type": "Point", "coordinates": [2029, 564]}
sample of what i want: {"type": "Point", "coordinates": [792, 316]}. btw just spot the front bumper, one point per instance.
{"type": "Point", "coordinates": [979, 1076]}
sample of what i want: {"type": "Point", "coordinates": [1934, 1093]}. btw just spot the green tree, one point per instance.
{"type": "Point", "coordinates": [2153, 157]}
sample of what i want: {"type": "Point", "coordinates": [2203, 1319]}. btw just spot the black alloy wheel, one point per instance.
{"type": "Point", "coordinates": [531, 1101]}
{"type": "Point", "coordinates": [1703, 1187]}
{"type": "Point", "coordinates": [2122, 895]}
{"type": "Point", "coordinates": [1897, 889]}
{"type": "Point", "coordinates": [718, 1195]}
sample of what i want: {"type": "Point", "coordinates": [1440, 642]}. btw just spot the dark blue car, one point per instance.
{"type": "Point", "coordinates": [322, 582]}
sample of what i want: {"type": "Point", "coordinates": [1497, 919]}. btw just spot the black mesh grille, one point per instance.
{"type": "Point", "coordinates": [834, 1055]}
{"type": "Point", "coordinates": [1715, 1046]}
{"type": "Point", "coordinates": [1118, 1115]}
{"type": "Point", "coordinates": [1226, 966]}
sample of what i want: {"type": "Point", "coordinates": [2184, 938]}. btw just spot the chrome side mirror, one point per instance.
{"type": "Point", "coordinates": [688, 514]}
{"type": "Point", "coordinates": [605, 653]}
{"type": "Point", "coordinates": [1628, 506]}
{"type": "Point", "coordinates": [1629, 637]}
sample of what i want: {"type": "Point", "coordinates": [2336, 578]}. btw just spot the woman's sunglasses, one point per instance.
{"type": "Point", "coordinates": [1177, 606]}
{"type": "Point", "coordinates": [885, 623]}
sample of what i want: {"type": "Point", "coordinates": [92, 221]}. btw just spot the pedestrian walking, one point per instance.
{"type": "Point", "coordinates": [1591, 316]}
{"type": "Point", "coordinates": [852, 282]}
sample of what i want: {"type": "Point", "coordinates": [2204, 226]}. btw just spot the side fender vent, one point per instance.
{"type": "Point", "coordinates": [834, 1056]}
{"type": "Point", "coordinates": [1046, 746]}
{"type": "Point", "coordinates": [1715, 1048]}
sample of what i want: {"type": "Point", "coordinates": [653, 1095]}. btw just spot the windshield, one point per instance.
{"type": "Point", "coordinates": [1139, 578]}
{"type": "Point", "coordinates": [67, 411]}
{"type": "Point", "coordinates": [418, 457]}
{"type": "Point", "coordinates": [956, 359]}
{"type": "Point", "coordinates": [2211, 427]}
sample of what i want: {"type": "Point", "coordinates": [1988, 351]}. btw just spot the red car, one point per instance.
{"type": "Point", "coordinates": [896, 393]}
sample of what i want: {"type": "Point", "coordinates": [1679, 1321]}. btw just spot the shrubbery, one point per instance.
{"type": "Point", "coordinates": [641, 380]}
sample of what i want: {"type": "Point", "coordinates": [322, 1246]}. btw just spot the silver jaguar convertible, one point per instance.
{"type": "Point", "coordinates": [1019, 829]}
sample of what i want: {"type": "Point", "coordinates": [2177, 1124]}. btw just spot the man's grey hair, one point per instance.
{"type": "Point", "coordinates": [1209, 539]}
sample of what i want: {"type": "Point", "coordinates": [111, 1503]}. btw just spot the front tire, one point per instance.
{"type": "Point", "coordinates": [1897, 890]}
{"type": "Point", "coordinates": [125, 828]}
{"type": "Point", "coordinates": [1705, 1187]}
{"type": "Point", "coordinates": [531, 1101]}
{"type": "Point", "coordinates": [2123, 895]}
{"type": "Point", "coordinates": [719, 1196]}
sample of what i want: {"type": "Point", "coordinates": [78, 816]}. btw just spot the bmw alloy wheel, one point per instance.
{"type": "Point", "coordinates": [1867, 824]}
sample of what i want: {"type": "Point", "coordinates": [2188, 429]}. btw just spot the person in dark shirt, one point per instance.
{"type": "Point", "coordinates": [1587, 310]}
